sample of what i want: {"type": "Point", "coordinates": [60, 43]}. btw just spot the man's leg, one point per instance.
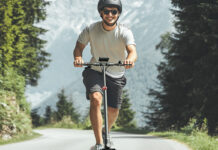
{"type": "Point", "coordinates": [112, 116]}
{"type": "Point", "coordinates": [115, 89]}
{"type": "Point", "coordinates": [96, 116]}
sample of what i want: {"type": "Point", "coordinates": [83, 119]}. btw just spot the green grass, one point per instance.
{"type": "Point", "coordinates": [20, 138]}
{"type": "Point", "coordinates": [196, 141]}
{"type": "Point", "coordinates": [58, 125]}
{"type": "Point", "coordinates": [61, 125]}
{"type": "Point", "coordinates": [131, 130]}
{"type": "Point", "coordinates": [66, 123]}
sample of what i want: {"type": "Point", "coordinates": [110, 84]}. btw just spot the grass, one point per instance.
{"type": "Point", "coordinates": [20, 138]}
{"type": "Point", "coordinates": [196, 140]}
{"type": "Point", "coordinates": [66, 123]}
{"type": "Point", "coordinates": [64, 126]}
{"type": "Point", "coordinates": [131, 130]}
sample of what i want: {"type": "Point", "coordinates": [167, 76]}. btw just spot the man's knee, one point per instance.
{"type": "Point", "coordinates": [95, 98]}
{"type": "Point", "coordinates": [113, 110]}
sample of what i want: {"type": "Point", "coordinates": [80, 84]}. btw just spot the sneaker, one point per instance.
{"type": "Point", "coordinates": [109, 142]}
{"type": "Point", "coordinates": [97, 147]}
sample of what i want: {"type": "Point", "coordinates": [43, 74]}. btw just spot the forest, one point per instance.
{"type": "Point", "coordinates": [188, 76]}
{"type": "Point", "coordinates": [22, 58]}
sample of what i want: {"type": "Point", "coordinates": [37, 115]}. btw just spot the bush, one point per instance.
{"type": "Point", "coordinates": [193, 127]}
{"type": "Point", "coordinates": [12, 119]}
{"type": "Point", "coordinates": [86, 123]}
{"type": "Point", "coordinates": [15, 83]}
{"type": "Point", "coordinates": [66, 122]}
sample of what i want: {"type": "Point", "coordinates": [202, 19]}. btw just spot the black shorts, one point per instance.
{"type": "Point", "coordinates": [93, 81]}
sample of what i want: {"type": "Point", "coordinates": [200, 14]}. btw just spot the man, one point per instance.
{"type": "Point", "coordinates": [109, 39]}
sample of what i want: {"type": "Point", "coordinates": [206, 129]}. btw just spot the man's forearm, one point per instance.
{"type": "Point", "coordinates": [78, 50]}
{"type": "Point", "coordinates": [77, 53]}
{"type": "Point", "coordinates": [132, 54]}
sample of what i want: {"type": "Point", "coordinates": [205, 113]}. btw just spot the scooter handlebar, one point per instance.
{"type": "Point", "coordinates": [105, 64]}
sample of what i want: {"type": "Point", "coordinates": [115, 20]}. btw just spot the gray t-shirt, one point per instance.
{"type": "Point", "coordinates": [111, 44]}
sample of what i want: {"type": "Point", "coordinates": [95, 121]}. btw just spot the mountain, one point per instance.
{"type": "Point", "coordinates": [66, 19]}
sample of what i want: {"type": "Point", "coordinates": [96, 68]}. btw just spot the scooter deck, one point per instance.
{"type": "Point", "coordinates": [108, 148]}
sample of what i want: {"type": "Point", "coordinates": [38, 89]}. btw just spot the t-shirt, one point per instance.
{"type": "Point", "coordinates": [111, 44]}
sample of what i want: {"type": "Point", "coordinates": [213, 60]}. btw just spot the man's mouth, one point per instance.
{"type": "Point", "coordinates": [110, 19]}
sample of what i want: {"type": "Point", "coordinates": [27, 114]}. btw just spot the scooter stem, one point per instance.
{"type": "Point", "coordinates": [105, 106]}
{"type": "Point", "coordinates": [105, 109]}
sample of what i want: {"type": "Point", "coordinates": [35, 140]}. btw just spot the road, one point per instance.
{"type": "Point", "coordinates": [66, 139]}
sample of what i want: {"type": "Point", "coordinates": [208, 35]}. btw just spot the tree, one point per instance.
{"type": "Point", "coordinates": [10, 32]}
{"type": "Point", "coordinates": [48, 115]}
{"type": "Point", "coordinates": [22, 55]}
{"type": "Point", "coordinates": [35, 117]}
{"type": "Point", "coordinates": [65, 108]}
{"type": "Point", "coordinates": [126, 114]}
{"type": "Point", "coordinates": [188, 75]}
{"type": "Point", "coordinates": [36, 57]}
{"type": "Point", "coordinates": [20, 45]}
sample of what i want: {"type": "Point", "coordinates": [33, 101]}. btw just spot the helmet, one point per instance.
{"type": "Point", "coordinates": [109, 3]}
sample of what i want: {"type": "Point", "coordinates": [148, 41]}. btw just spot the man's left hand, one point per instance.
{"type": "Point", "coordinates": [129, 63]}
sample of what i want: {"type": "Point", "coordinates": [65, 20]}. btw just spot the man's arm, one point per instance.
{"type": "Point", "coordinates": [131, 57]}
{"type": "Point", "coordinates": [78, 54]}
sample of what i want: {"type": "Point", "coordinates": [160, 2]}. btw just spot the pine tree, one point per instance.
{"type": "Point", "coordinates": [20, 45]}
{"type": "Point", "coordinates": [48, 115]}
{"type": "Point", "coordinates": [36, 58]}
{"type": "Point", "coordinates": [65, 108]}
{"type": "Point", "coordinates": [188, 76]}
{"type": "Point", "coordinates": [22, 52]}
{"type": "Point", "coordinates": [35, 117]}
{"type": "Point", "coordinates": [126, 114]}
{"type": "Point", "coordinates": [7, 36]}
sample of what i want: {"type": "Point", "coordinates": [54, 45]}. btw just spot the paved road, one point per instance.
{"type": "Point", "coordinates": [66, 139]}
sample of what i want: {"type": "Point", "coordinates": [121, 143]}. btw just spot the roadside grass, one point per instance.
{"type": "Point", "coordinates": [66, 123]}
{"type": "Point", "coordinates": [20, 138]}
{"type": "Point", "coordinates": [60, 125]}
{"type": "Point", "coordinates": [195, 140]}
{"type": "Point", "coordinates": [131, 130]}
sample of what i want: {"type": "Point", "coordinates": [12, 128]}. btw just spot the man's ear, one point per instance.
{"type": "Point", "coordinates": [101, 13]}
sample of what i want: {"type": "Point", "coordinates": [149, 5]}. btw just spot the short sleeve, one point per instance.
{"type": "Point", "coordinates": [128, 37]}
{"type": "Point", "coordinates": [84, 36]}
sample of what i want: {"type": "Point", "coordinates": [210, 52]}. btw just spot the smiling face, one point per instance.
{"type": "Point", "coordinates": [110, 15]}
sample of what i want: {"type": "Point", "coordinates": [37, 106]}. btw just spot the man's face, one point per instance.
{"type": "Point", "coordinates": [110, 15]}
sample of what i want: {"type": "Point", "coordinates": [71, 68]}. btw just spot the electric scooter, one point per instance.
{"type": "Point", "coordinates": [104, 64]}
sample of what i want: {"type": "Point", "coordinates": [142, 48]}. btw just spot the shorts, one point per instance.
{"type": "Point", "coordinates": [93, 81]}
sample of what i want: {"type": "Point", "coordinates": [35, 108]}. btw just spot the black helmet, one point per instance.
{"type": "Point", "coordinates": [109, 3]}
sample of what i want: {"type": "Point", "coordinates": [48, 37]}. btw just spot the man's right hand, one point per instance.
{"type": "Point", "coordinates": [78, 62]}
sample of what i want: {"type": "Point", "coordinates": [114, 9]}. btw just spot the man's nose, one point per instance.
{"type": "Point", "coordinates": [110, 13]}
